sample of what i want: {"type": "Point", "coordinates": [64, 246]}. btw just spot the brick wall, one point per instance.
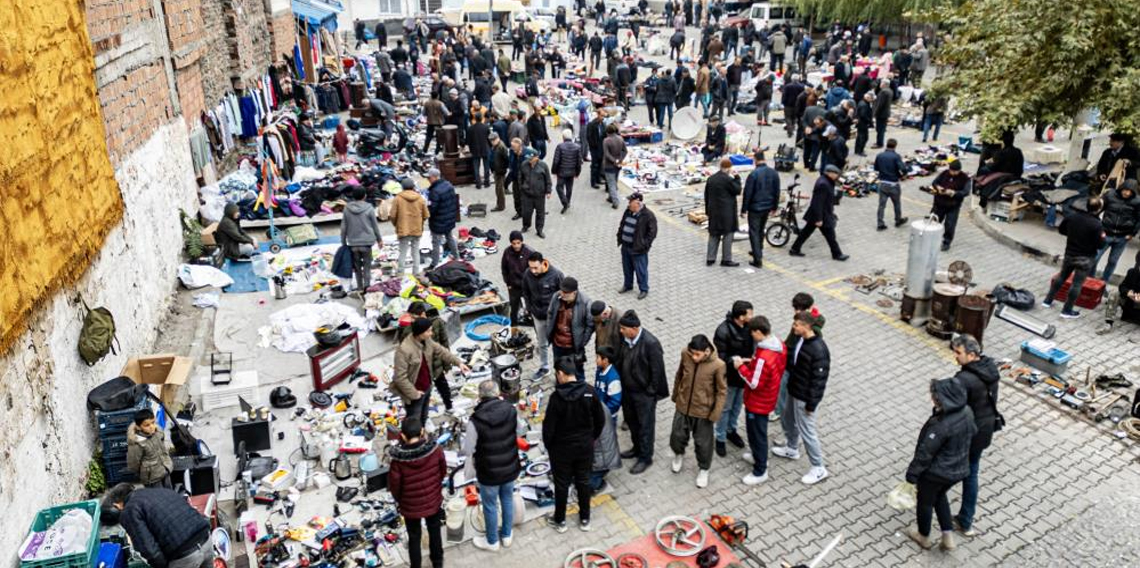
{"type": "Point", "coordinates": [189, 83]}
{"type": "Point", "coordinates": [249, 44]}
{"type": "Point", "coordinates": [134, 107]}
{"type": "Point", "coordinates": [215, 59]}
{"type": "Point", "coordinates": [183, 24]}
{"type": "Point", "coordinates": [283, 29]}
{"type": "Point", "coordinates": [108, 18]}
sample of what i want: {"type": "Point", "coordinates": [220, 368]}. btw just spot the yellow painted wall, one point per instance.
{"type": "Point", "coordinates": [58, 194]}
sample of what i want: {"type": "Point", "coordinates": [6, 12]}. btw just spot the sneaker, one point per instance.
{"type": "Point", "coordinates": [584, 525]}
{"type": "Point", "coordinates": [751, 479]}
{"type": "Point", "coordinates": [720, 449]}
{"type": "Point", "coordinates": [703, 478]}
{"type": "Point", "coordinates": [784, 452]}
{"type": "Point", "coordinates": [506, 541]}
{"type": "Point", "coordinates": [748, 457]}
{"type": "Point", "coordinates": [678, 460]}
{"type": "Point", "coordinates": [901, 222]}
{"type": "Point", "coordinates": [965, 531]}
{"type": "Point", "coordinates": [774, 417]}
{"type": "Point", "coordinates": [541, 372]}
{"type": "Point", "coordinates": [481, 543]}
{"type": "Point", "coordinates": [558, 527]}
{"type": "Point", "coordinates": [814, 475]}
{"type": "Point", "coordinates": [1047, 304]}
{"type": "Point", "coordinates": [947, 543]}
{"type": "Point", "coordinates": [1070, 314]}
{"type": "Point", "coordinates": [923, 541]}
{"type": "Point", "coordinates": [1104, 329]}
{"type": "Point", "coordinates": [735, 439]}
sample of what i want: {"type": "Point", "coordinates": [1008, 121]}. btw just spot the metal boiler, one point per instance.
{"type": "Point", "coordinates": [921, 264]}
{"type": "Point", "coordinates": [507, 373]}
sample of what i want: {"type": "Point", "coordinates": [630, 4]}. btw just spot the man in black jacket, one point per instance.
{"type": "Point", "coordinates": [1119, 148]}
{"type": "Point", "coordinates": [636, 231]}
{"type": "Point", "coordinates": [979, 376]}
{"type": "Point", "coordinates": [761, 196]}
{"type": "Point", "coordinates": [1121, 221]}
{"type": "Point", "coordinates": [595, 134]}
{"type": "Point", "coordinates": [568, 160]}
{"type": "Point", "coordinates": [821, 215]}
{"type": "Point", "coordinates": [732, 339]}
{"type": "Point", "coordinates": [809, 362]}
{"type": "Point", "coordinates": [163, 527]}
{"type": "Point", "coordinates": [1085, 237]}
{"type": "Point", "coordinates": [715, 139]}
{"type": "Point", "coordinates": [540, 284]}
{"type": "Point", "coordinates": [478, 142]}
{"type": "Point", "coordinates": [493, 461]}
{"type": "Point", "coordinates": [514, 267]}
{"type": "Point", "coordinates": [720, 206]}
{"type": "Point", "coordinates": [641, 365]}
{"type": "Point", "coordinates": [574, 419]}
{"type": "Point", "coordinates": [500, 165]}
{"type": "Point", "coordinates": [882, 111]}
{"type": "Point", "coordinates": [789, 94]}
{"type": "Point", "coordinates": [950, 188]}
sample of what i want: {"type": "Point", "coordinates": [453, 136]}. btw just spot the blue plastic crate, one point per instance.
{"type": "Point", "coordinates": [114, 446]}
{"type": "Point", "coordinates": [116, 470]}
{"type": "Point", "coordinates": [111, 555]}
{"type": "Point", "coordinates": [116, 422]}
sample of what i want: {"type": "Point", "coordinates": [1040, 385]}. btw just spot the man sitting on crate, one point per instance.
{"type": "Point", "coordinates": [163, 527]}
{"type": "Point", "coordinates": [1124, 302]}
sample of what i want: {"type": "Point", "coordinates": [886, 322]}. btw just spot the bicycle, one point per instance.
{"type": "Point", "coordinates": [786, 224]}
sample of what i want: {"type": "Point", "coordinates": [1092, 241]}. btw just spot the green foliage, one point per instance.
{"type": "Point", "coordinates": [191, 235]}
{"type": "Point", "coordinates": [1014, 62]}
{"type": "Point", "coordinates": [96, 479]}
{"type": "Point", "coordinates": [875, 11]}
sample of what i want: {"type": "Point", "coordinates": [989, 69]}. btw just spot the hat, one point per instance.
{"type": "Point", "coordinates": [492, 137]}
{"type": "Point", "coordinates": [407, 183]}
{"type": "Point", "coordinates": [956, 166]}
{"type": "Point", "coordinates": [454, 91]}
{"type": "Point", "coordinates": [597, 307]}
{"type": "Point", "coordinates": [529, 153]}
{"type": "Point", "coordinates": [433, 173]}
{"type": "Point", "coordinates": [830, 131]}
{"type": "Point", "coordinates": [636, 196]}
{"type": "Point", "coordinates": [515, 236]}
{"type": "Point", "coordinates": [420, 325]}
{"type": "Point", "coordinates": [629, 319]}
{"type": "Point", "coordinates": [1130, 184]}
{"type": "Point", "coordinates": [569, 284]}
{"type": "Point", "coordinates": [832, 169]}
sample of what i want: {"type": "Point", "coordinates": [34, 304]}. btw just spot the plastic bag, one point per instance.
{"type": "Point", "coordinates": [199, 275]}
{"type": "Point", "coordinates": [904, 497]}
{"type": "Point", "coordinates": [1016, 298]}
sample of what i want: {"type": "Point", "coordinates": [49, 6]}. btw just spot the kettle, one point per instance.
{"type": "Point", "coordinates": [341, 467]}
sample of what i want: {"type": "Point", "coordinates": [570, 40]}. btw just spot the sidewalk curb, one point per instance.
{"type": "Point", "coordinates": [978, 216]}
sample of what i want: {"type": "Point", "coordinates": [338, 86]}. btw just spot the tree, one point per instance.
{"type": "Point", "coordinates": [1016, 62]}
{"type": "Point", "coordinates": [876, 11]}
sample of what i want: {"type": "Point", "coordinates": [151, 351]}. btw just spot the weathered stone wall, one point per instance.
{"type": "Point", "coordinates": [283, 29]}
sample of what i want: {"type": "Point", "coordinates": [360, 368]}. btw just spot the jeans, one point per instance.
{"type": "Point", "coordinates": [733, 403]}
{"type": "Point", "coordinates": [965, 514]}
{"type": "Point", "coordinates": [542, 338]}
{"type": "Point", "coordinates": [797, 425]}
{"type": "Point", "coordinates": [892, 191]}
{"type": "Point", "coordinates": [733, 96]}
{"type": "Point", "coordinates": [1117, 244]}
{"type": "Point", "coordinates": [949, 218]}
{"type": "Point", "coordinates": [540, 147]}
{"type": "Point", "coordinates": [410, 252]}
{"type": "Point", "coordinates": [929, 120]}
{"type": "Point", "coordinates": [724, 243]}
{"type": "Point", "coordinates": [202, 557]}
{"type": "Point", "coordinates": [494, 498]}
{"type": "Point", "coordinates": [662, 109]}
{"type": "Point", "coordinates": [362, 266]}
{"type": "Point", "coordinates": [782, 398]}
{"type": "Point", "coordinates": [1077, 267]}
{"type": "Point", "coordinates": [596, 177]}
{"type": "Point", "coordinates": [633, 264]}
{"type": "Point", "coordinates": [700, 429]}
{"type": "Point", "coordinates": [757, 221]}
{"type": "Point", "coordinates": [763, 107]}
{"type": "Point", "coordinates": [438, 242]}
{"type": "Point", "coordinates": [435, 540]}
{"type": "Point", "coordinates": [932, 498]}
{"type": "Point", "coordinates": [485, 161]}
{"type": "Point", "coordinates": [828, 234]}
{"type": "Point", "coordinates": [565, 188]}
{"type": "Point", "coordinates": [575, 469]}
{"type": "Point", "coordinates": [777, 62]}
{"type": "Point", "coordinates": [811, 152]}
{"type": "Point", "coordinates": [579, 359]}
{"type": "Point", "coordinates": [612, 184]}
{"type": "Point", "coordinates": [756, 425]}
{"type": "Point", "coordinates": [422, 405]}
{"type": "Point", "coordinates": [640, 411]}
{"type": "Point", "coordinates": [432, 134]}
{"type": "Point", "coordinates": [705, 99]}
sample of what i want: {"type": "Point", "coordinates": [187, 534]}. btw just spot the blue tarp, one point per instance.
{"type": "Point", "coordinates": [315, 15]}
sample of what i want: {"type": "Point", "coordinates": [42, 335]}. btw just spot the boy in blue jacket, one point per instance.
{"type": "Point", "coordinates": [607, 386]}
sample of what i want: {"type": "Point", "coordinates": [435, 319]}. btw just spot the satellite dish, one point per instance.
{"type": "Point", "coordinates": [687, 123]}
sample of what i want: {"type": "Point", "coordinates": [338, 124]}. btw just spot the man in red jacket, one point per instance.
{"type": "Point", "coordinates": [415, 479]}
{"type": "Point", "coordinates": [761, 375]}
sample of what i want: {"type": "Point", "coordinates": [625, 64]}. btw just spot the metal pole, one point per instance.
{"type": "Point", "coordinates": [491, 22]}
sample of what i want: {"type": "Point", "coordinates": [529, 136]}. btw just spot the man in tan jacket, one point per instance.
{"type": "Point", "coordinates": [698, 392]}
{"type": "Point", "coordinates": [415, 365]}
{"type": "Point", "coordinates": [408, 212]}
{"type": "Point", "coordinates": [704, 82]}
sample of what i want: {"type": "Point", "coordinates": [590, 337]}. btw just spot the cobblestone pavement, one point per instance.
{"type": "Point", "coordinates": [1055, 490]}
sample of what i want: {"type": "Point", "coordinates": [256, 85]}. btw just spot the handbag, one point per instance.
{"type": "Point", "coordinates": [999, 420]}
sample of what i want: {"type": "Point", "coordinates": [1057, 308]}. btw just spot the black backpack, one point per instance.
{"type": "Point", "coordinates": [119, 393]}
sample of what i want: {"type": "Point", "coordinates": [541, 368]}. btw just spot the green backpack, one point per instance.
{"type": "Point", "coordinates": [98, 335]}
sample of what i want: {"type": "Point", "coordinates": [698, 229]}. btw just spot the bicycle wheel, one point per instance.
{"type": "Point", "coordinates": [777, 234]}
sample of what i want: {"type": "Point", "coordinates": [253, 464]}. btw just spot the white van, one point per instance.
{"type": "Point", "coordinates": [769, 14]}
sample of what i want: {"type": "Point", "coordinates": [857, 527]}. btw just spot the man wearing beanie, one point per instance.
{"type": "Point", "coordinates": [514, 267]}
{"type": "Point", "coordinates": [540, 284]}
{"type": "Point", "coordinates": [950, 188]}
{"type": "Point", "coordinates": [641, 365]}
{"type": "Point", "coordinates": [414, 366]}
{"type": "Point", "coordinates": [570, 325]}
{"type": "Point", "coordinates": [573, 420]}
{"type": "Point", "coordinates": [444, 209]}
{"type": "Point", "coordinates": [606, 332]}
{"type": "Point", "coordinates": [408, 213]}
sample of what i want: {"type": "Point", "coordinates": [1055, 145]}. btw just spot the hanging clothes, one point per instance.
{"type": "Point", "coordinates": [199, 150]}
{"type": "Point", "coordinates": [298, 62]}
{"type": "Point", "coordinates": [248, 105]}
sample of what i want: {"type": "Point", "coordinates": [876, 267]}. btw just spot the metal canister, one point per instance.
{"type": "Point", "coordinates": [507, 373]}
{"type": "Point", "coordinates": [974, 311]}
{"type": "Point", "coordinates": [922, 257]}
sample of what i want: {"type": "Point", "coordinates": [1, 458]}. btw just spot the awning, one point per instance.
{"type": "Point", "coordinates": [315, 15]}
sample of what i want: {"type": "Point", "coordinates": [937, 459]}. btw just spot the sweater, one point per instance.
{"type": "Point", "coordinates": [1085, 234]}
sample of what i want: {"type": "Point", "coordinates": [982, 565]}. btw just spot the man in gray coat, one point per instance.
{"type": "Point", "coordinates": [570, 325]}
{"type": "Point", "coordinates": [536, 189]}
{"type": "Point", "coordinates": [613, 154]}
{"type": "Point", "coordinates": [359, 228]}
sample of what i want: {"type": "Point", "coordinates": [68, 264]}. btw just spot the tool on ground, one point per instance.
{"type": "Point", "coordinates": [680, 536]}
{"type": "Point", "coordinates": [734, 534]}
{"type": "Point", "coordinates": [1025, 321]}
{"type": "Point", "coordinates": [1101, 412]}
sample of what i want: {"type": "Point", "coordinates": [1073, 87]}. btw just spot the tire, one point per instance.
{"type": "Point", "coordinates": [777, 234]}
{"type": "Point", "coordinates": [275, 248]}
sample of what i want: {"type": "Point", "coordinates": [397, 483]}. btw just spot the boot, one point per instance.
{"type": "Point", "coordinates": [923, 541]}
{"type": "Point", "coordinates": [947, 542]}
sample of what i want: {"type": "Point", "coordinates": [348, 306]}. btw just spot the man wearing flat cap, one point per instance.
{"type": "Point", "coordinates": [950, 188]}
{"type": "Point", "coordinates": [571, 324]}
{"type": "Point", "coordinates": [536, 185]}
{"type": "Point", "coordinates": [821, 215]}
{"type": "Point", "coordinates": [641, 365]}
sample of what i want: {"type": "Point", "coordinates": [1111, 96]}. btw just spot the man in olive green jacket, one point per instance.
{"type": "Point", "coordinates": [417, 361]}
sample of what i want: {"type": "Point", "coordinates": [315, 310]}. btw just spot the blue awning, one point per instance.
{"type": "Point", "coordinates": [315, 15]}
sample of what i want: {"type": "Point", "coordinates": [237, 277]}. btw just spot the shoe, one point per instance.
{"type": "Point", "coordinates": [720, 449]}
{"type": "Point", "coordinates": [729, 263]}
{"type": "Point", "coordinates": [841, 257]}
{"type": "Point", "coordinates": [516, 217]}
{"type": "Point", "coordinates": [774, 417]}
{"type": "Point", "coordinates": [541, 372]}
{"type": "Point", "coordinates": [923, 541]}
{"type": "Point", "coordinates": [814, 475]}
{"type": "Point", "coordinates": [540, 235]}
{"type": "Point", "coordinates": [703, 478]}
{"type": "Point", "coordinates": [965, 531]}
{"type": "Point", "coordinates": [901, 222]}
{"type": "Point", "coordinates": [1070, 314]}
{"type": "Point", "coordinates": [584, 525]}
{"type": "Point", "coordinates": [756, 264]}
{"type": "Point", "coordinates": [506, 541]}
{"type": "Point", "coordinates": [945, 247]}
{"type": "Point", "coordinates": [752, 479]}
{"type": "Point", "coordinates": [564, 208]}
{"type": "Point", "coordinates": [1104, 329]}
{"type": "Point", "coordinates": [642, 294]}
{"type": "Point", "coordinates": [1047, 304]}
{"type": "Point", "coordinates": [794, 252]}
{"type": "Point", "coordinates": [613, 205]}
{"type": "Point", "coordinates": [947, 543]}
{"type": "Point", "coordinates": [624, 290]}
{"type": "Point", "coordinates": [628, 454]}
{"type": "Point", "coordinates": [678, 461]}
{"type": "Point", "coordinates": [603, 488]}
{"type": "Point", "coordinates": [747, 456]}
{"type": "Point", "coordinates": [558, 527]}
{"type": "Point", "coordinates": [640, 467]}
{"type": "Point", "coordinates": [735, 439]}
{"type": "Point", "coordinates": [710, 262]}
{"type": "Point", "coordinates": [784, 452]}
{"type": "Point", "coordinates": [497, 209]}
{"type": "Point", "coordinates": [881, 228]}
{"type": "Point", "coordinates": [481, 543]}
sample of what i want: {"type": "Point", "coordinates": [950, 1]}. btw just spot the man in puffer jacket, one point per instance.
{"type": "Point", "coordinates": [1121, 221]}
{"type": "Point", "coordinates": [810, 363]}
{"type": "Point", "coordinates": [568, 160]}
{"type": "Point", "coordinates": [444, 208]}
{"type": "Point", "coordinates": [698, 392]}
{"type": "Point", "coordinates": [359, 230]}
{"type": "Point", "coordinates": [414, 480]}
{"type": "Point", "coordinates": [574, 419]}
{"type": "Point", "coordinates": [941, 459]}
{"type": "Point", "coordinates": [761, 374]}
{"type": "Point", "coordinates": [979, 376]}
{"type": "Point", "coordinates": [732, 339]}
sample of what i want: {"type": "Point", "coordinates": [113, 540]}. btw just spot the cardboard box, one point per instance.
{"type": "Point", "coordinates": [165, 370]}
{"type": "Point", "coordinates": [208, 235]}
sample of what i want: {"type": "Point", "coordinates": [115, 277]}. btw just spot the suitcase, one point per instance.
{"type": "Point", "coordinates": [1092, 292]}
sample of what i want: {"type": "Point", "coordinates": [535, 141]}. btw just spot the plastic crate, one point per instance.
{"type": "Point", "coordinates": [116, 470]}
{"type": "Point", "coordinates": [85, 559]}
{"type": "Point", "coordinates": [1055, 361]}
{"type": "Point", "coordinates": [111, 555]}
{"type": "Point", "coordinates": [114, 446]}
{"type": "Point", "coordinates": [116, 422]}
